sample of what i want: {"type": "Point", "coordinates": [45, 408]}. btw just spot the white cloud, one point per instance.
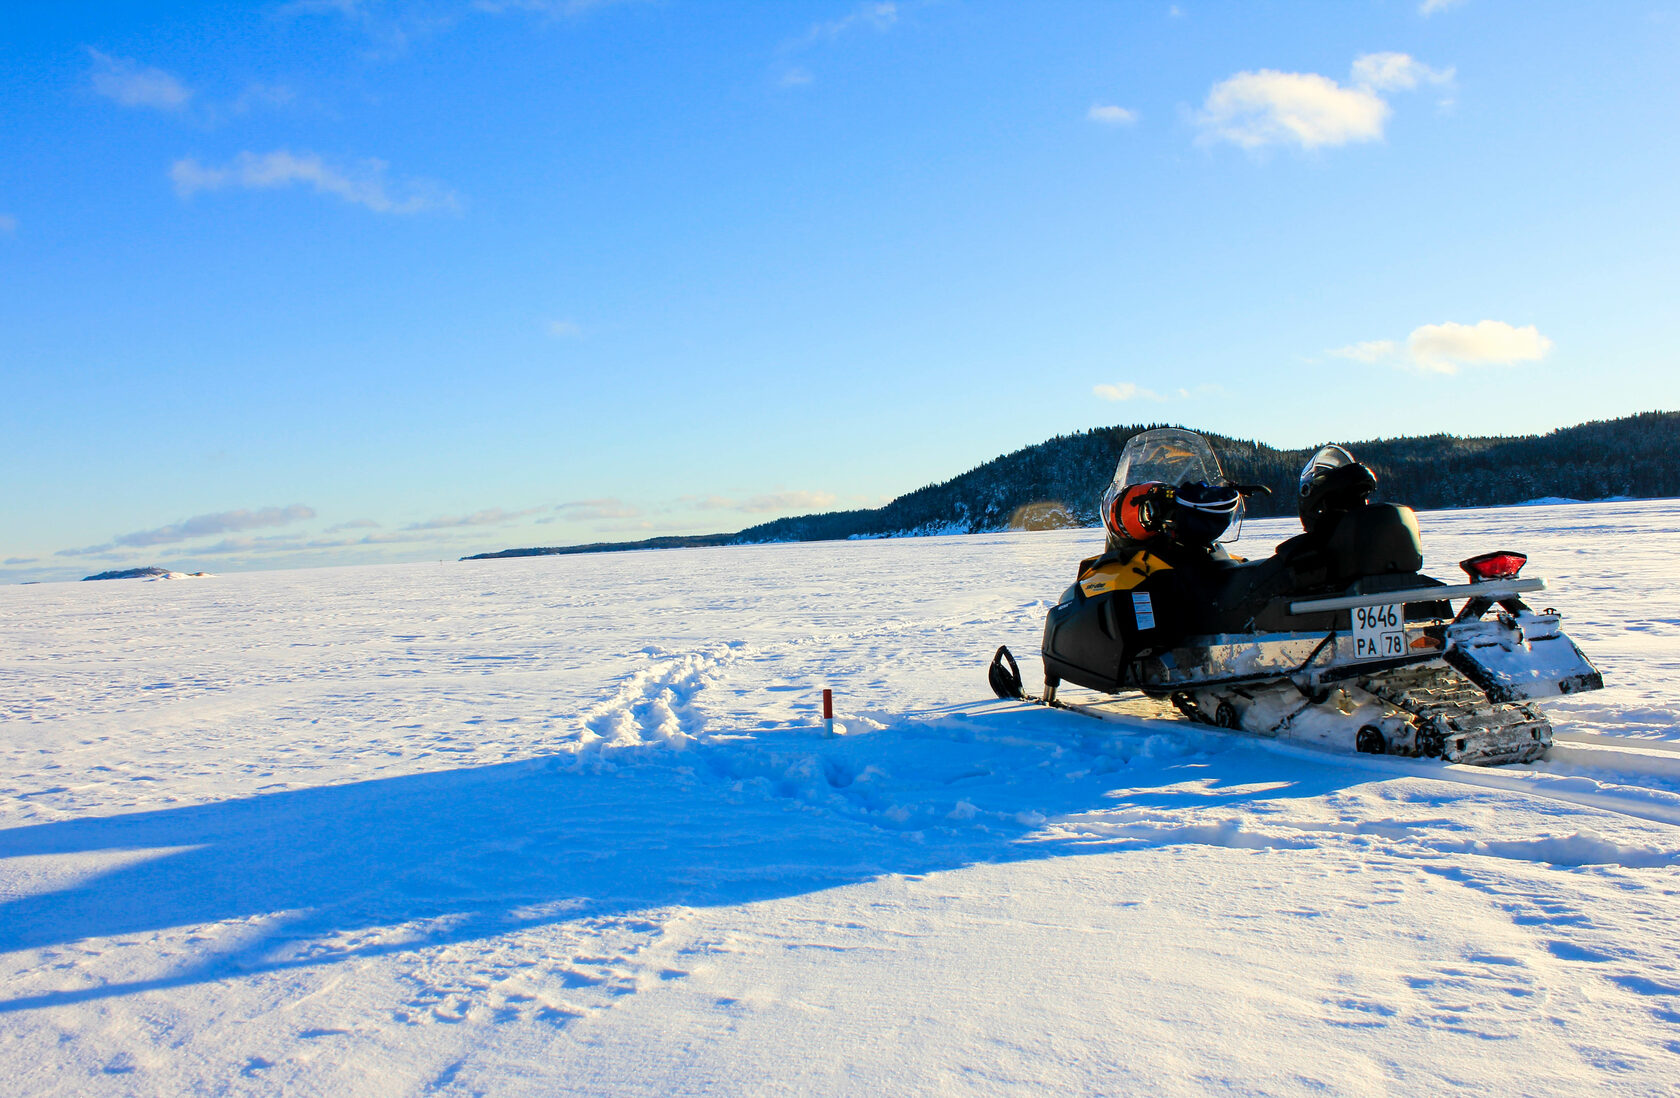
{"type": "Point", "coordinates": [8, 224]}
{"type": "Point", "coordinates": [565, 329]}
{"type": "Point", "coordinates": [1445, 348]}
{"type": "Point", "coordinates": [1253, 109]}
{"type": "Point", "coordinates": [1125, 390]}
{"type": "Point", "coordinates": [1430, 7]}
{"type": "Point", "coordinates": [126, 82]}
{"type": "Point", "coordinates": [362, 185]}
{"type": "Point", "coordinates": [796, 77]}
{"type": "Point", "coordinates": [1110, 115]}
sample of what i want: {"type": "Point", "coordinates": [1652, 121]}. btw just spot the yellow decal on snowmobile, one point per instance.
{"type": "Point", "coordinates": [1122, 575]}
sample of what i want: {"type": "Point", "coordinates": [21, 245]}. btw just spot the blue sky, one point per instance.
{"type": "Point", "coordinates": [331, 282]}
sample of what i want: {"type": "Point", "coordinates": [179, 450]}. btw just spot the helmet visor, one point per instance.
{"type": "Point", "coordinates": [1328, 458]}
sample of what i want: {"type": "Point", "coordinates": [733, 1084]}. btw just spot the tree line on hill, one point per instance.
{"type": "Point", "coordinates": [1059, 481]}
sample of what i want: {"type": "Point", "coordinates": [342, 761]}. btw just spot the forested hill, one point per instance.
{"type": "Point", "coordinates": [1058, 482]}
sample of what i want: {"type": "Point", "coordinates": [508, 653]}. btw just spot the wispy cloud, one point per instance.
{"type": "Point", "coordinates": [353, 524]}
{"type": "Point", "coordinates": [765, 503]}
{"type": "Point", "coordinates": [390, 27]}
{"type": "Point", "coordinates": [785, 501]}
{"type": "Point", "coordinates": [876, 15]}
{"type": "Point", "coordinates": [493, 516]}
{"type": "Point", "coordinates": [199, 526]}
{"type": "Point", "coordinates": [1395, 72]}
{"type": "Point", "coordinates": [557, 8]}
{"type": "Point", "coordinates": [394, 27]}
{"type": "Point", "coordinates": [8, 224]}
{"type": "Point", "coordinates": [255, 97]}
{"type": "Point", "coordinates": [133, 85]}
{"type": "Point", "coordinates": [1447, 348]}
{"type": "Point", "coordinates": [565, 329]}
{"type": "Point", "coordinates": [1125, 390]}
{"type": "Point", "coordinates": [1370, 351]}
{"type": "Point", "coordinates": [21, 560]}
{"type": "Point", "coordinates": [362, 184]}
{"type": "Point", "coordinates": [595, 510]}
{"type": "Point", "coordinates": [1110, 115]}
{"type": "Point", "coordinates": [1255, 109]}
{"type": "Point", "coordinates": [278, 544]}
{"type": "Point", "coordinates": [866, 16]}
{"type": "Point", "coordinates": [1430, 7]}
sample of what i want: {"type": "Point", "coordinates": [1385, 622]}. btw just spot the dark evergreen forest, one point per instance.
{"type": "Point", "coordinates": [1058, 482]}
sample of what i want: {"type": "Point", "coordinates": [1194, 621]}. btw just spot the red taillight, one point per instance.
{"type": "Point", "coordinates": [1494, 566]}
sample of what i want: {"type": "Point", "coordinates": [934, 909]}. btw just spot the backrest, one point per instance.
{"type": "Point", "coordinates": [1374, 540]}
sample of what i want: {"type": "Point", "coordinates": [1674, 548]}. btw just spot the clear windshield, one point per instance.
{"type": "Point", "coordinates": [1330, 457]}
{"type": "Point", "coordinates": [1172, 456]}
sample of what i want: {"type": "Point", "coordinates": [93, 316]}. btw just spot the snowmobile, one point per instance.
{"type": "Point", "coordinates": [1337, 638]}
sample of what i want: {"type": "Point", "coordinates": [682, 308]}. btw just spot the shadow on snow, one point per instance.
{"type": "Point", "coordinates": [472, 853]}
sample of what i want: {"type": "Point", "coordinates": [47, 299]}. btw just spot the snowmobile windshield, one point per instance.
{"type": "Point", "coordinates": [1174, 457]}
{"type": "Point", "coordinates": [1328, 458]}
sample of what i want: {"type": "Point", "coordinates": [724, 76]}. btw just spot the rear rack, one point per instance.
{"type": "Point", "coordinates": [1492, 590]}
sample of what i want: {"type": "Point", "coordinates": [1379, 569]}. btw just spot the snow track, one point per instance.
{"type": "Point", "coordinates": [1631, 777]}
{"type": "Point", "coordinates": [561, 825]}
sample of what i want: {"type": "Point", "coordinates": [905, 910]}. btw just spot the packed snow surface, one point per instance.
{"type": "Point", "coordinates": [573, 824]}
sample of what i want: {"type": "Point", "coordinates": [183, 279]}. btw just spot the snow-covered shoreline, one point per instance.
{"type": "Point", "coordinates": [571, 824]}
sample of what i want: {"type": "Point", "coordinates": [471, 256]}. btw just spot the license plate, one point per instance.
{"type": "Point", "coordinates": [1379, 632]}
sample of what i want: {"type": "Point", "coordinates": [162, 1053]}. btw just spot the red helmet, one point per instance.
{"type": "Point", "coordinates": [1139, 511]}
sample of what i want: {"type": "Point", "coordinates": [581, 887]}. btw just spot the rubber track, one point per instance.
{"type": "Point", "coordinates": [1457, 722]}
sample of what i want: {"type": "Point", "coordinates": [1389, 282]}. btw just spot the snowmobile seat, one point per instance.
{"type": "Point", "coordinates": [1247, 591]}
{"type": "Point", "coordinates": [1379, 539]}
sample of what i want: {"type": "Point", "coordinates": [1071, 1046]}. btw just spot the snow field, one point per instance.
{"type": "Point", "coordinates": [571, 824]}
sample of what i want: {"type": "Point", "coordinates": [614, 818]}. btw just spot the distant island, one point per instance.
{"type": "Point", "coordinates": [1056, 483]}
{"type": "Point", "coordinates": [151, 572]}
